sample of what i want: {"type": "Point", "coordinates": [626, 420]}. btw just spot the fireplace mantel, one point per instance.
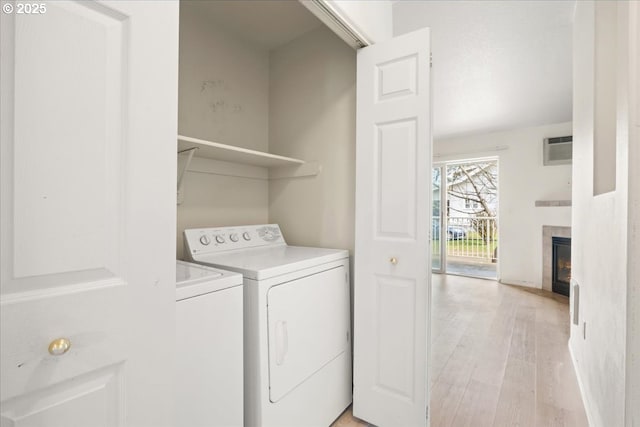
{"type": "Point", "coordinates": [552, 203]}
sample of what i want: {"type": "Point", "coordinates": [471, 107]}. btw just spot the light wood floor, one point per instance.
{"type": "Point", "coordinates": [499, 358]}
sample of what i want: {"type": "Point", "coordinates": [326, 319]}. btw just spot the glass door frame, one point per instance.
{"type": "Point", "coordinates": [442, 167]}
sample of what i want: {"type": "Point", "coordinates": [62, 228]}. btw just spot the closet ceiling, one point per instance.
{"type": "Point", "coordinates": [265, 23]}
{"type": "Point", "coordinates": [497, 64]}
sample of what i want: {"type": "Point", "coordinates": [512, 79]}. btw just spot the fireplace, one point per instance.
{"type": "Point", "coordinates": [548, 232]}
{"type": "Point", "coordinates": [561, 265]}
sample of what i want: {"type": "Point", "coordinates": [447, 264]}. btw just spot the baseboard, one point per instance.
{"type": "Point", "coordinates": [585, 402]}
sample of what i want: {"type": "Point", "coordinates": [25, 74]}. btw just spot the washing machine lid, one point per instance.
{"type": "Point", "coordinates": [193, 280]}
{"type": "Point", "coordinates": [267, 262]}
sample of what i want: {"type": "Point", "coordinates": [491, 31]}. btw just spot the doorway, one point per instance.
{"type": "Point", "coordinates": [465, 218]}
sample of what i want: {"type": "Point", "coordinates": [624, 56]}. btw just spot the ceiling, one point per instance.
{"type": "Point", "coordinates": [267, 24]}
{"type": "Point", "coordinates": [497, 65]}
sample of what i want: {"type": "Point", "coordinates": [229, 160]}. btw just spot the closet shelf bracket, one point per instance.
{"type": "Point", "coordinates": [305, 169]}
{"type": "Point", "coordinates": [191, 151]}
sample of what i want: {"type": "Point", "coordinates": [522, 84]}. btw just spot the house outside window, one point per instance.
{"type": "Point", "coordinates": [471, 204]}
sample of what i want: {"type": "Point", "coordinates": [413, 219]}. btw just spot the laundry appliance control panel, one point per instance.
{"type": "Point", "coordinates": [223, 239]}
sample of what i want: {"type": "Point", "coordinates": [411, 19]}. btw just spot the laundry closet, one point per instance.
{"type": "Point", "coordinates": [268, 77]}
{"type": "Point", "coordinates": [267, 135]}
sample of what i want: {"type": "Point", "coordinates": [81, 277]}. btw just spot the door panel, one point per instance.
{"type": "Point", "coordinates": [394, 306]}
{"type": "Point", "coordinates": [392, 254]}
{"type": "Point", "coordinates": [71, 203]}
{"type": "Point", "coordinates": [397, 78]}
{"type": "Point", "coordinates": [396, 178]}
{"type": "Point", "coordinates": [98, 395]}
{"type": "Point", "coordinates": [88, 213]}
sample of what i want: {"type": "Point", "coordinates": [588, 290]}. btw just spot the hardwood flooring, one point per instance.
{"type": "Point", "coordinates": [499, 358]}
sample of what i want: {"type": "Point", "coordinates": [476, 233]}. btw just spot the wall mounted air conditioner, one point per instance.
{"type": "Point", "coordinates": [558, 151]}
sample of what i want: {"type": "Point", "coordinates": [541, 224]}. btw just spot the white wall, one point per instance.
{"type": "Point", "coordinates": [312, 117]}
{"type": "Point", "coordinates": [522, 180]}
{"type": "Point", "coordinates": [601, 232]}
{"type": "Point", "coordinates": [223, 97]}
{"type": "Point", "coordinates": [633, 275]}
{"type": "Point", "coordinates": [224, 83]}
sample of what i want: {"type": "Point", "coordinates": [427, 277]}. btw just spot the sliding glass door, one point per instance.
{"type": "Point", "coordinates": [464, 222]}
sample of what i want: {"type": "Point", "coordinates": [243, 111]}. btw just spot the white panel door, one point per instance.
{"type": "Point", "coordinates": [392, 256]}
{"type": "Point", "coordinates": [88, 155]}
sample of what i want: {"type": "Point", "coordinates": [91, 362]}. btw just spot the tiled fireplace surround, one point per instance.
{"type": "Point", "coordinates": [549, 231]}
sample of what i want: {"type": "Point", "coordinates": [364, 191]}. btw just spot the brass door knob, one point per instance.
{"type": "Point", "coordinates": [59, 346]}
{"type": "Point", "coordinates": [393, 260]}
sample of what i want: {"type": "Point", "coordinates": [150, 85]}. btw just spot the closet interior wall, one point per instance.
{"type": "Point", "coordinates": [312, 108]}
{"type": "Point", "coordinates": [296, 100]}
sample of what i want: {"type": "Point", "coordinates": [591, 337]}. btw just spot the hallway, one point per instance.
{"type": "Point", "coordinates": [500, 356]}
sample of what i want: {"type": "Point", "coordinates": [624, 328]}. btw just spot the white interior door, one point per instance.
{"type": "Point", "coordinates": [88, 213]}
{"type": "Point", "coordinates": [393, 220]}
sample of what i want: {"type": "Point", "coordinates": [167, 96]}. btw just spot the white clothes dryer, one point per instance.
{"type": "Point", "coordinates": [297, 334]}
{"type": "Point", "coordinates": [209, 340]}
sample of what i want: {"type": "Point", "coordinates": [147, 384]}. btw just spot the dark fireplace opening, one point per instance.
{"type": "Point", "coordinates": [561, 270]}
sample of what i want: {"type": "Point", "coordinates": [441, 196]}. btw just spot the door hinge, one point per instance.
{"type": "Point", "coordinates": [427, 413]}
{"type": "Point", "coordinates": [431, 60]}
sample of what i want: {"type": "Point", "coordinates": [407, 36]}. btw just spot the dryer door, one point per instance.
{"type": "Point", "coordinates": [308, 327]}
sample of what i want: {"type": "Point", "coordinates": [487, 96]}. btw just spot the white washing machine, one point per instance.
{"type": "Point", "coordinates": [297, 323]}
{"type": "Point", "coordinates": [209, 338]}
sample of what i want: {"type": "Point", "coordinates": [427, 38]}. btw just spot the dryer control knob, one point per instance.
{"type": "Point", "coordinates": [219, 239]}
{"type": "Point", "coordinates": [234, 237]}
{"type": "Point", "coordinates": [246, 236]}
{"type": "Point", "coordinates": [205, 240]}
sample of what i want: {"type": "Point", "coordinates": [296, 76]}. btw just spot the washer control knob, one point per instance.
{"type": "Point", "coordinates": [246, 236]}
{"type": "Point", "coordinates": [234, 237]}
{"type": "Point", "coordinates": [219, 239]}
{"type": "Point", "coordinates": [205, 240]}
